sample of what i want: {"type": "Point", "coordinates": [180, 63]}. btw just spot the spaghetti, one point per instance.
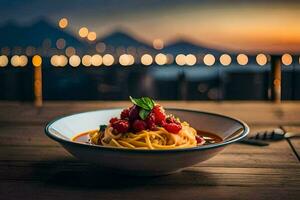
{"type": "Point", "coordinates": [146, 139]}
{"type": "Point", "coordinates": [145, 125]}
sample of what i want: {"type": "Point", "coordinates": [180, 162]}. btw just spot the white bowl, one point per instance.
{"type": "Point", "coordinates": [144, 162]}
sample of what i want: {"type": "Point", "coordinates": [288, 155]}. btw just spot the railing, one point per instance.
{"type": "Point", "coordinates": [98, 62]}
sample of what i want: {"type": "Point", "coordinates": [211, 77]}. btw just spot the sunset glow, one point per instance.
{"type": "Point", "coordinates": [253, 28]}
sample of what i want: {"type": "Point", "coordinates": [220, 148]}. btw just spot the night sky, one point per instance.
{"type": "Point", "coordinates": [235, 25]}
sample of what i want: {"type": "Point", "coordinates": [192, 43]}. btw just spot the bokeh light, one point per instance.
{"type": "Point", "coordinates": [213, 93]}
{"type": "Point", "coordinates": [30, 50]}
{"type": "Point", "coordinates": [86, 60]}
{"type": "Point", "coordinates": [37, 61]}
{"type": "Point", "coordinates": [100, 47]}
{"type": "Point", "coordinates": [131, 57]}
{"type": "Point", "coordinates": [23, 60]}
{"type": "Point", "coordinates": [158, 44]}
{"type": "Point", "coordinates": [225, 59]}
{"type": "Point", "coordinates": [170, 58]}
{"type": "Point", "coordinates": [180, 59]}
{"type": "Point", "coordinates": [5, 50]}
{"type": "Point", "coordinates": [74, 61]}
{"type": "Point", "coordinates": [53, 60]}
{"type": "Point", "coordinates": [146, 59]}
{"type": "Point", "coordinates": [286, 59]}
{"type": "Point", "coordinates": [60, 43]}
{"type": "Point", "coordinates": [14, 60]}
{"type": "Point", "coordinates": [242, 59]}
{"type": "Point", "coordinates": [209, 59]}
{"type": "Point", "coordinates": [59, 60]}
{"type": "Point", "coordinates": [3, 61]}
{"type": "Point", "coordinates": [17, 61]}
{"type": "Point", "coordinates": [83, 32]}
{"type": "Point", "coordinates": [261, 59]}
{"type": "Point", "coordinates": [161, 59]}
{"type": "Point", "coordinates": [190, 59]}
{"type": "Point", "coordinates": [126, 59]}
{"type": "Point", "coordinates": [62, 60]}
{"type": "Point", "coordinates": [108, 60]}
{"type": "Point", "coordinates": [92, 36]}
{"type": "Point", "coordinates": [96, 60]}
{"type": "Point", "coordinates": [63, 23]}
{"type": "Point", "coordinates": [70, 51]}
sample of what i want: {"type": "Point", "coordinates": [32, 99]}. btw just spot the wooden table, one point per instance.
{"type": "Point", "coordinates": [34, 167]}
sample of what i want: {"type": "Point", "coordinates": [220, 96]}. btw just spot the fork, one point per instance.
{"type": "Point", "coordinates": [276, 134]}
{"type": "Point", "coordinates": [260, 138]}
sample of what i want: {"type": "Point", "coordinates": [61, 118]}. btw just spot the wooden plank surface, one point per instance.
{"type": "Point", "coordinates": [34, 167]}
{"type": "Point", "coordinates": [263, 113]}
{"type": "Point", "coordinates": [295, 142]}
{"type": "Point", "coordinates": [29, 143]}
{"type": "Point", "coordinates": [142, 190]}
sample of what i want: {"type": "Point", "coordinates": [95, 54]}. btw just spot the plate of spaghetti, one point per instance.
{"type": "Point", "coordinates": [145, 138]}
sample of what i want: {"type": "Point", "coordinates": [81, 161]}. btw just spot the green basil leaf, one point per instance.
{"type": "Point", "coordinates": [149, 102]}
{"type": "Point", "coordinates": [144, 114]}
{"type": "Point", "coordinates": [139, 102]}
{"type": "Point", "coordinates": [133, 100]}
{"type": "Point", "coordinates": [144, 102]}
{"type": "Point", "coordinates": [102, 128]}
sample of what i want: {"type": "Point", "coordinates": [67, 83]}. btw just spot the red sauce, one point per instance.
{"type": "Point", "coordinates": [209, 138]}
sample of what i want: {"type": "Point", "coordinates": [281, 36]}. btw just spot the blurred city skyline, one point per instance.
{"type": "Point", "coordinates": [236, 25]}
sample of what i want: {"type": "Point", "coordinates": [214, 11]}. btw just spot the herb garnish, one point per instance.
{"type": "Point", "coordinates": [145, 103]}
{"type": "Point", "coordinates": [102, 128]}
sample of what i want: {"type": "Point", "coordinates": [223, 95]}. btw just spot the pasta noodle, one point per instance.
{"type": "Point", "coordinates": [146, 139]}
{"type": "Point", "coordinates": [145, 125]}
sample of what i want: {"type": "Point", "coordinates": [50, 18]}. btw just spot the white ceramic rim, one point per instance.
{"type": "Point", "coordinates": [236, 138]}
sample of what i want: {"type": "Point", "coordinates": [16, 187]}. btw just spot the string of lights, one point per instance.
{"type": "Point", "coordinates": [67, 55]}
{"type": "Point", "coordinates": [160, 59]}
